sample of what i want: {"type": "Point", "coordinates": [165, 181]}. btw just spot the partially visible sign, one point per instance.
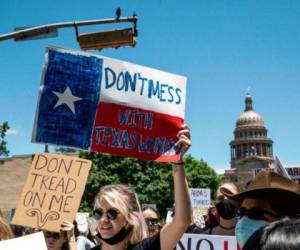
{"type": "Point", "coordinates": [279, 169]}
{"type": "Point", "coordinates": [207, 242]}
{"type": "Point", "coordinates": [52, 191]}
{"type": "Point", "coordinates": [294, 172]}
{"type": "Point", "coordinates": [200, 197]}
{"type": "Point", "coordinates": [106, 105]}
{"type": "Point", "coordinates": [25, 242]}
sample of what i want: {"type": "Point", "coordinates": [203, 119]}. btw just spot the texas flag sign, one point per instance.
{"type": "Point", "coordinates": [105, 105]}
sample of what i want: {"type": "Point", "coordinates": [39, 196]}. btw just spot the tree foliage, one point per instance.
{"type": "Point", "coordinates": [201, 175]}
{"type": "Point", "coordinates": [4, 127]}
{"type": "Point", "coordinates": [64, 150]}
{"type": "Point", "coordinates": [151, 180]}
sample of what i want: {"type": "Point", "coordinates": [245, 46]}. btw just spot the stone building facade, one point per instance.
{"type": "Point", "coordinates": [13, 174]}
{"type": "Point", "coordinates": [251, 149]}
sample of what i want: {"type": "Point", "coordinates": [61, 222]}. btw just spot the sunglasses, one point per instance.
{"type": "Point", "coordinates": [152, 222]}
{"type": "Point", "coordinates": [111, 213]}
{"type": "Point", "coordinates": [53, 235]}
{"type": "Point", "coordinates": [254, 213]}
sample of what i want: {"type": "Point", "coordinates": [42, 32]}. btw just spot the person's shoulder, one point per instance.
{"type": "Point", "coordinates": [208, 231]}
{"type": "Point", "coordinates": [194, 229]}
{"type": "Point", "coordinates": [148, 243]}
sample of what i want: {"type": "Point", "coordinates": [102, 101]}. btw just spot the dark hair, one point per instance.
{"type": "Point", "coordinates": [283, 234]}
{"type": "Point", "coordinates": [148, 207]}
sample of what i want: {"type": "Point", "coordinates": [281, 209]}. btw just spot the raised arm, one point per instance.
{"type": "Point", "coordinates": [173, 231]}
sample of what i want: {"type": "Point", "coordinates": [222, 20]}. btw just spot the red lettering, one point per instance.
{"type": "Point", "coordinates": [225, 245]}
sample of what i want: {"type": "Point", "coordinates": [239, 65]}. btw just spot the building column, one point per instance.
{"type": "Point", "coordinates": [261, 149]}
{"type": "Point", "coordinates": [242, 151]}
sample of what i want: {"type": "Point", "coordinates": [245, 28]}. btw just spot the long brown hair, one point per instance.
{"type": "Point", "coordinates": [5, 230]}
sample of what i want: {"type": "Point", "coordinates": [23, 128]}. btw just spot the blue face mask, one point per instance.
{"type": "Point", "coordinates": [245, 227]}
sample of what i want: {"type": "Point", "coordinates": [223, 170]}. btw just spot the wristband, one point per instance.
{"type": "Point", "coordinates": [178, 163]}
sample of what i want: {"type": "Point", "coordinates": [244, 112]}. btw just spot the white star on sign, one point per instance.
{"type": "Point", "coordinates": [66, 98]}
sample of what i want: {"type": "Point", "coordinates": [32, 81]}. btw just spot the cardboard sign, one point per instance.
{"type": "Point", "coordinates": [25, 243]}
{"type": "Point", "coordinates": [52, 191]}
{"type": "Point", "coordinates": [200, 197]}
{"type": "Point", "coordinates": [207, 242]}
{"type": "Point", "coordinates": [106, 105]}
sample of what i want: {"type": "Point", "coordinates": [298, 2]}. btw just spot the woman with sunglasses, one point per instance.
{"type": "Point", "coordinates": [121, 225]}
{"type": "Point", "coordinates": [64, 240]}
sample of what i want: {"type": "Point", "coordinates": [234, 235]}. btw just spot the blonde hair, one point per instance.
{"type": "Point", "coordinates": [5, 230]}
{"type": "Point", "coordinates": [123, 198]}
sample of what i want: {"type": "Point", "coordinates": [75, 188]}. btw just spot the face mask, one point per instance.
{"type": "Point", "coordinates": [226, 210]}
{"type": "Point", "coordinates": [118, 237]}
{"type": "Point", "coordinates": [245, 228]}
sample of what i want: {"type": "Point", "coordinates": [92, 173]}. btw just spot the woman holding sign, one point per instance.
{"type": "Point", "coordinates": [120, 221]}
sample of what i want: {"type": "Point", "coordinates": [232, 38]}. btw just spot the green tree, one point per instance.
{"type": "Point", "coordinates": [65, 150]}
{"type": "Point", "coordinates": [4, 127]}
{"type": "Point", "coordinates": [151, 180]}
{"type": "Point", "coordinates": [201, 175]}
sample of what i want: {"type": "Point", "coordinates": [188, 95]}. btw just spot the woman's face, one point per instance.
{"type": "Point", "coordinates": [54, 240]}
{"type": "Point", "coordinates": [111, 221]}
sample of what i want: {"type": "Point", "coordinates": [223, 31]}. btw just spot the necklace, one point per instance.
{"type": "Point", "coordinates": [226, 228]}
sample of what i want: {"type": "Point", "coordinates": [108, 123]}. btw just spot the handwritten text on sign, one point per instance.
{"type": "Point", "coordinates": [207, 242]}
{"type": "Point", "coordinates": [52, 191]}
{"type": "Point", "coordinates": [140, 112]}
{"type": "Point", "coordinates": [200, 197]}
{"type": "Point", "coordinates": [106, 105]}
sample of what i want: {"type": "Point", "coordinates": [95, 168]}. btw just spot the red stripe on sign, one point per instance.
{"type": "Point", "coordinates": [225, 245]}
{"type": "Point", "coordinates": [135, 132]}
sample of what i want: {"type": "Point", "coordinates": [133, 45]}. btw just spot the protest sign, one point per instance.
{"type": "Point", "coordinates": [106, 105]}
{"type": "Point", "coordinates": [294, 173]}
{"type": "Point", "coordinates": [279, 169]}
{"type": "Point", "coordinates": [200, 197]}
{"type": "Point", "coordinates": [52, 191]}
{"type": "Point", "coordinates": [207, 242]}
{"type": "Point", "coordinates": [25, 242]}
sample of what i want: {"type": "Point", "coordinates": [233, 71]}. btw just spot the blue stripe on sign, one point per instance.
{"type": "Point", "coordinates": [58, 121]}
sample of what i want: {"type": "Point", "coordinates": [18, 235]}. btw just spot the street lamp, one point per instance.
{"type": "Point", "coordinates": [87, 41]}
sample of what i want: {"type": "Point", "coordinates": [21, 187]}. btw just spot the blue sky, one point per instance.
{"type": "Point", "coordinates": [222, 47]}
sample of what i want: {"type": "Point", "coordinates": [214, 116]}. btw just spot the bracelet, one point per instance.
{"type": "Point", "coordinates": [178, 163]}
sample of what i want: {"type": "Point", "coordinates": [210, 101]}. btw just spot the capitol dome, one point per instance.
{"type": "Point", "coordinates": [250, 136]}
{"type": "Point", "coordinates": [249, 117]}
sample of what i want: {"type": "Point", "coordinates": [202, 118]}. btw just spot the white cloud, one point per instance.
{"type": "Point", "coordinates": [220, 168]}
{"type": "Point", "coordinates": [13, 132]}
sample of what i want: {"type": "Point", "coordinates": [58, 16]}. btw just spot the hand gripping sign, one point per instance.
{"type": "Point", "coordinates": [105, 105]}
{"type": "Point", "coordinates": [52, 191]}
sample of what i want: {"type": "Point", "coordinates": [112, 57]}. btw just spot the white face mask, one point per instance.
{"type": "Point", "coordinates": [245, 227]}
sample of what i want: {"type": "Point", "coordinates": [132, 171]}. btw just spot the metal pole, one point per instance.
{"type": "Point", "coordinates": [48, 27]}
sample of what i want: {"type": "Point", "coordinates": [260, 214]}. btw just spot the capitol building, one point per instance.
{"type": "Point", "coordinates": [251, 149]}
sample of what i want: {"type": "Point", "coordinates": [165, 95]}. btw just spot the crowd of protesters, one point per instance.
{"type": "Point", "coordinates": [263, 217]}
